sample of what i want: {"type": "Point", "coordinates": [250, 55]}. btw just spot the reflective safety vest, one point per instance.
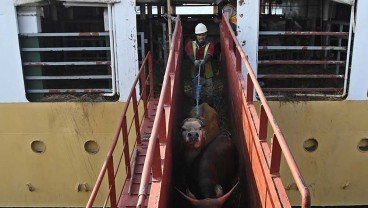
{"type": "Point", "coordinates": [233, 18]}
{"type": "Point", "coordinates": [208, 73]}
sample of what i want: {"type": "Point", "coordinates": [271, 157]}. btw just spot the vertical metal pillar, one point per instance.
{"type": "Point", "coordinates": [169, 20]}
{"type": "Point", "coordinates": [29, 21]}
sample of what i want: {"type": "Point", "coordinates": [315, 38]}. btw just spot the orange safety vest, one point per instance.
{"type": "Point", "coordinates": [233, 18]}
{"type": "Point", "coordinates": [208, 73]}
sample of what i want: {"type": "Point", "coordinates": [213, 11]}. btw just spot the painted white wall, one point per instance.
{"type": "Point", "coordinates": [126, 46]}
{"type": "Point", "coordinates": [29, 19]}
{"type": "Point", "coordinates": [358, 89]}
{"type": "Point", "coordinates": [248, 27]}
{"type": "Point", "coordinates": [12, 88]}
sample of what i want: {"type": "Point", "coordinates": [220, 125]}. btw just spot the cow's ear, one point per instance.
{"type": "Point", "coordinates": [182, 124]}
{"type": "Point", "coordinates": [185, 120]}
{"type": "Point", "coordinates": [200, 120]}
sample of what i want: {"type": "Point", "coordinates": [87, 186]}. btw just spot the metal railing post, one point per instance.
{"type": "Point", "coordinates": [263, 124]}
{"type": "Point", "coordinates": [124, 131]}
{"type": "Point", "coordinates": [156, 166]}
{"type": "Point", "coordinates": [136, 117]}
{"type": "Point", "coordinates": [250, 89]}
{"type": "Point", "coordinates": [238, 61]}
{"type": "Point", "coordinates": [152, 92]}
{"type": "Point", "coordinates": [143, 81]}
{"type": "Point", "coordinates": [275, 157]}
{"type": "Point", "coordinates": [111, 178]}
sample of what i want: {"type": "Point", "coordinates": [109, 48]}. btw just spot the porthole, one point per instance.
{"type": "Point", "coordinates": [310, 145]}
{"type": "Point", "coordinates": [38, 147]}
{"type": "Point", "coordinates": [91, 147]}
{"type": "Point", "coordinates": [363, 145]}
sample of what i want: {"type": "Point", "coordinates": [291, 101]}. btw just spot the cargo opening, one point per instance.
{"type": "Point", "coordinates": [304, 49]}
{"type": "Point", "coordinates": [66, 52]}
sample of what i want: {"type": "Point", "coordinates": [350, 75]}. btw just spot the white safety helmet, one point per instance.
{"type": "Point", "coordinates": [200, 28]}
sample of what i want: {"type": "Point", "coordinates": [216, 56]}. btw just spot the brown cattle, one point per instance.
{"type": "Point", "coordinates": [212, 174]}
{"type": "Point", "coordinates": [211, 121]}
{"type": "Point", "coordinates": [199, 130]}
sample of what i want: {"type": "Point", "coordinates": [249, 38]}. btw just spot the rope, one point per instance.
{"type": "Point", "coordinates": [198, 89]}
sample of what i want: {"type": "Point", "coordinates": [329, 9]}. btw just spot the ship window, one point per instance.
{"type": "Point", "coordinates": [38, 146]}
{"type": "Point", "coordinates": [154, 9]}
{"type": "Point", "coordinates": [310, 145]}
{"type": "Point", "coordinates": [303, 52]}
{"type": "Point", "coordinates": [363, 145]}
{"type": "Point", "coordinates": [91, 147]}
{"type": "Point", "coordinates": [67, 53]}
{"type": "Point", "coordinates": [271, 7]}
{"type": "Point", "coordinates": [188, 9]}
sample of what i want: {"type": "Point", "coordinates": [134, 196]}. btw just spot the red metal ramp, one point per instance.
{"type": "Point", "coordinates": [132, 134]}
{"type": "Point", "coordinates": [129, 196]}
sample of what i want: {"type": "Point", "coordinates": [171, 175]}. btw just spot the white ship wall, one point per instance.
{"type": "Point", "coordinates": [248, 28]}
{"type": "Point", "coordinates": [11, 79]}
{"type": "Point", "coordinates": [358, 88]}
{"type": "Point", "coordinates": [12, 89]}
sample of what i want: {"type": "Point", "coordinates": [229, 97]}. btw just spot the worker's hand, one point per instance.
{"type": "Point", "coordinates": [197, 63]}
{"type": "Point", "coordinates": [202, 62]}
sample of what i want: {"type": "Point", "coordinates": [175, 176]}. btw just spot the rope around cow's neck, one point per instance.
{"type": "Point", "coordinates": [198, 89]}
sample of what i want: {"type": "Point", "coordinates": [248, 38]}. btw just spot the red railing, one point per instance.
{"type": "Point", "coordinates": [123, 134]}
{"type": "Point", "coordinates": [254, 129]}
{"type": "Point", "coordinates": [162, 130]}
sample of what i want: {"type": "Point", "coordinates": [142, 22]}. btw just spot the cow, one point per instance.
{"type": "Point", "coordinates": [212, 173]}
{"type": "Point", "coordinates": [198, 131]}
{"type": "Point", "coordinates": [210, 118]}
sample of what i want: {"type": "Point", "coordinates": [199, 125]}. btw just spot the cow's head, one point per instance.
{"type": "Point", "coordinates": [193, 132]}
{"type": "Point", "coordinates": [209, 202]}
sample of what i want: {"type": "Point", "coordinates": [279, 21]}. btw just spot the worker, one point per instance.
{"type": "Point", "coordinates": [200, 52]}
{"type": "Point", "coordinates": [229, 11]}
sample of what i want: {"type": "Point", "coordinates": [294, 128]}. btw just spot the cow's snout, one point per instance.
{"type": "Point", "coordinates": [193, 136]}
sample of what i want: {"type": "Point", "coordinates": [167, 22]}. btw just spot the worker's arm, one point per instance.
{"type": "Point", "coordinates": [207, 58]}
{"type": "Point", "coordinates": [191, 57]}
{"type": "Point", "coordinates": [227, 14]}
{"type": "Point", "coordinates": [227, 10]}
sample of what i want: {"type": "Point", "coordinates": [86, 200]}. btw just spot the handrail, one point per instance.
{"type": "Point", "coordinates": [153, 159]}
{"type": "Point", "coordinates": [279, 144]}
{"type": "Point", "coordinates": [108, 165]}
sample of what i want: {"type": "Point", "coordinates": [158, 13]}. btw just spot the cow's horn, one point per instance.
{"type": "Point", "coordinates": [190, 194]}
{"type": "Point", "coordinates": [219, 191]}
{"type": "Point", "coordinates": [190, 198]}
{"type": "Point", "coordinates": [227, 195]}
{"type": "Point", "coordinates": [218, 202]}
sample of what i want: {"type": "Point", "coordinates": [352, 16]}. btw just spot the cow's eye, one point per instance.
{"type": "Point", "coordinates": [184, 129]}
